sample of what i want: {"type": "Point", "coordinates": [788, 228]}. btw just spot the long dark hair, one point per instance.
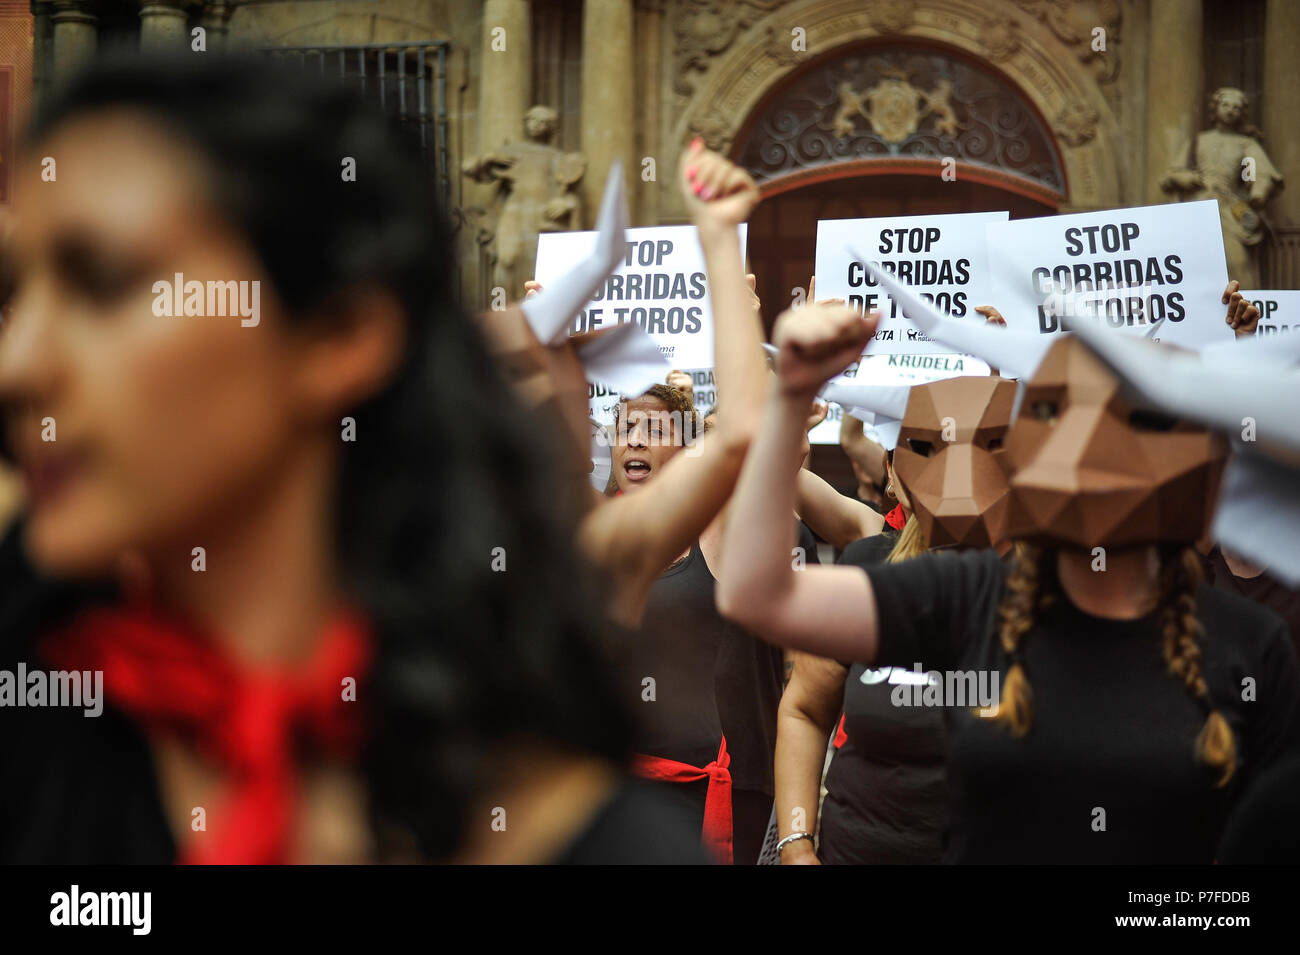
{"type": "Point", "coordinates": [470, 657]}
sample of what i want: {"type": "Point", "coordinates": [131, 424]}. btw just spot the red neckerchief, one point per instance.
{"type": "Point", "coordinates": [169, 680]}
{"type": "Point", "coordinates": [896, 518]}
{"type": "Point", "coordinates": [717, 828]}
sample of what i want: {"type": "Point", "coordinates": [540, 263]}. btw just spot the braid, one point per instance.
{"type": "Point", "coordinates": [1024, 595]}
{"type": "Point", "coordinates": [1180, 576]}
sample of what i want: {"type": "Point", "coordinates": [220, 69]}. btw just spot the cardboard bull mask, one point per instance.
{"type": "Point", "coordinates": [948, 459]}
{"type": "Point", "coordinates": [549, 368]}
{"type": "Point", "coordinates": [1248, 390]}
{"type": "Point", "coordinates": [1087, 466]}
{"type": "Point", "coordinates": [1091, 468]}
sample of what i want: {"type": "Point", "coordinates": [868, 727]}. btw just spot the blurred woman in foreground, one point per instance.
{"type": "Point", "coordinates": [312, 548]}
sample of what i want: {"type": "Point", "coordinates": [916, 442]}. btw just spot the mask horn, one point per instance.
{"type": "Point", "coordinates": [550, 312]}
{"type": "Point", "coordinates": [1259, 515]}
{"type": "Point", "coordinates": [1279, 351]}
{"type": "Point", "coordinates": [1012, 352]}
{"type": "Point", "coordinates": [624, 357]}
{"type": "Point", "coordinates": [876, 401]}
{"type": "Point", "coordinates": [1221, 397]}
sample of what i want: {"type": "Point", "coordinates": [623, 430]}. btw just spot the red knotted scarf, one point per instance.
{"type": "Point", "coordinates": [171, 681]}
{"type": "Point", "coordinates": [717, 829]}
{"type": "Point", "coordinates": [896, 518]}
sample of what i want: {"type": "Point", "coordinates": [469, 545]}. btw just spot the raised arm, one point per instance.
{"type": "Point", "coordinates": [638, 535]}
{"type": "Point", "coordinates": [829, 611]}
{"type": "Point", "coordinates": [836, 519]}
{"type": "Point", "coordinates": [862, 451]}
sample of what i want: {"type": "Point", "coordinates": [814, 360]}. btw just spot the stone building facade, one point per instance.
{"type": "Point", "coordinates": [839, 107]}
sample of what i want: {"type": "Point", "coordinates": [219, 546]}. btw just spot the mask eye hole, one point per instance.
{"type": "Point", "coordinates": [995, 444]}
{"type": "Point", "coordinates": [1151, 421]}
{"type": "Point", "coordinates": [1044, 410]}
{"type": "Point", "coordinates": [923, 448]}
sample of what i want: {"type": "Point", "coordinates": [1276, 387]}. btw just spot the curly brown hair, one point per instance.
{"type": "Point", "coordinates": [1033, 585]}
{"type": "Point", "coordinates": [676, 401]}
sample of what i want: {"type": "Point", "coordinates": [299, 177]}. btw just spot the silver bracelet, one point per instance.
{"type": "Point", "coordinates": [793, 837]}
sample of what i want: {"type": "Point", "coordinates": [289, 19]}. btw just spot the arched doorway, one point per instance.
{"type": "Point", "coordinates": [875, 130]}
{"type": "Point", "coordinates": [887, 129]}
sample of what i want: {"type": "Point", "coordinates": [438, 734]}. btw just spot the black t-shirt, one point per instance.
{"type": "Point", "coordinates": [710, 677]}
{"type": "Point", "coordinates": [866, 551]}
{"type": "Point", "coordinates": [1264, 589]}
{"type": "Point", "coordinates": [1107, 772]}
{"type": "Point", "coordinates": [885, 795]}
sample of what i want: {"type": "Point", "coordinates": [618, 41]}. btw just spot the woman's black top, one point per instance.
{"type": "Point", "coordinates": [709, 678]}
{"type": "Point", "coordinates": [885, 795]}
{"type": "Point", "coordinates": [1108, 771]}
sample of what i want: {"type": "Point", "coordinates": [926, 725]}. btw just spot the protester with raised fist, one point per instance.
{"type": "Point", "coordinates": [1097, 629]}
{"type": "Point", "coordinates": [706, 691]}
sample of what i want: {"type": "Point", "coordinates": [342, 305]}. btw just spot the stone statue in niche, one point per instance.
{"type": "Point", "coordinates": [1228, 163]}
{"type": "Point", "coordinates": [537, 187]}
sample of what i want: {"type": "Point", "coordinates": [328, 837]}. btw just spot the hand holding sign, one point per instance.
{"type": "Point", "coordinates": [816, 343]}
{"type": "Point", "coordinates": [1243, 316]}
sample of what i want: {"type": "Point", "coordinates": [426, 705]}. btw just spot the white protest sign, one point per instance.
{"type": "Point", "coordinates": [943, 257]}
{"type": "Point", "coordinates": [1129, 269]}
{"type": "Point", "coordinates": [661, 285]}
{"type": "Point", "coordinates": [894, 370]}
{"type": "Point", "coordinates": [1279, 311]}
{"type": "Point", "coordinates": [602, 400]}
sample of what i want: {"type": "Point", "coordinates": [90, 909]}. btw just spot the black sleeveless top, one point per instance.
{"type": "Point", "coordinates": [691, 677]}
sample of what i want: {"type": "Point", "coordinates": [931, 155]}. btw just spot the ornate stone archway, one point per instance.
{"type": "Point", "coordinates": [728, 58]}
{"type": "Point", "coordinates": [901, 107]}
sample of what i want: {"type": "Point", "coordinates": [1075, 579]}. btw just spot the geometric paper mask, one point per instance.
{"type": "Point", "coordinates": [948, 459]}
{"type": "Point", "coordinates": [1249, 392]}
{"type": "Point", "coordinates": [1091, 468]}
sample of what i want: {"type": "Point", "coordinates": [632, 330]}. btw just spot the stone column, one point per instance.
{"type": "Point", "coordinates": [1175, 104]}
{"type": "Point", "coordinates": [608, 106]}
{"type": "Point", "coordinates": [505, 85]}
{"type": "Point", "coordinates": [76, 32]}
{"type": "Point", "coordinates": [1282, 106]}
{"type": "Point", "coordinates": [506, 81]}
{"type": "Point", "coordinates": [163, 26]}
{"type": "Point", "coordinates": [42, 34]}
{"type": "Point", "coordinates": [216, 23]}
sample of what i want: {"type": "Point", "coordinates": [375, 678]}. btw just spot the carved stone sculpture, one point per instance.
{"type": "Point", "coordinates": [1228, 163]}
{"type": "Point", "coordinates": [537, 188]}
